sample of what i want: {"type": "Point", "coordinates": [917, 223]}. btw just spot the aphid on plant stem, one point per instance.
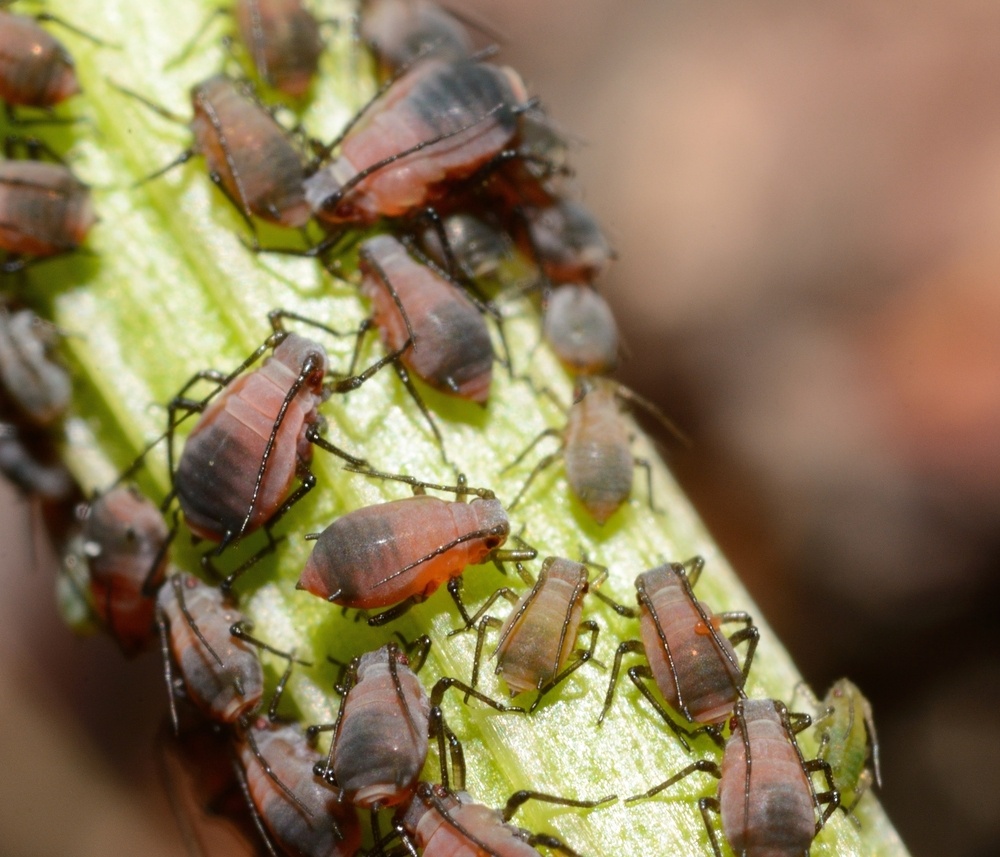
{"type": "Point", "coordinates": [848, 741]}
{"type": "Point", "coordinates": [254, 437]}
{"type": "Point", "coordinates": [537, 646]}
{"type": "Point", "coordinates": [250, 157]}
{"type": "Point", "coordinates": [302, 815]}
{"type": "Point", "coordinates": [445, 823]}
{"type": "Point", "coordinates": [45, 212]}
{"type": "Point", "coordinates": [437, 124]}
{"type": "Point", "coordinates": [476, 247]}
{"type": "Point", "coordinates": [596, 448]}
{"type": "Point", "coordinates": [399, 552]}
{"type": "Point", "coordinates": [579, 325]}
{"type": "Point", "coordinates": [385, 723]}
{"type": "Point", "coordinates": [124, 543]}
{"type": "Point", "coordinates": [35, 385]}
{"type": "Point", "coordinates": [451, 350]}
{"type": "Point", "coordinates": [692, 664]}
{"type": "Point", "coordinates": [766, 796]}
{"type": "Point", "coordinates": [565, 241]}
{"type": "Point", "coordinates": [401, 32]}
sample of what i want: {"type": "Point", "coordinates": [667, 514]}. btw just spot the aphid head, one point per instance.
{"type": "Point", "coordinates": [492, 519]}
{"type": "Point", "coordinates": [324, 191]}
{"type": "Point", "coordinates": [301, 354]}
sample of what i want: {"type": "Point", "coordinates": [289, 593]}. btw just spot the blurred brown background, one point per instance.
{"type": "Point", "coordinates": [806, 203]}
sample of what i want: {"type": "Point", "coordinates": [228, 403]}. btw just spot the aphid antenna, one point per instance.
{"type": "Point", "coordinates": [519, 798]}
{"type": "Point", "coordinates": [62, 22]}
{"type": "Point", "coordinates": [241, 630]}
{"type": "Point", "coordinates": [197, 37]}
{"type": "Point", "coordinates": [158, 109]}
{"type": "Point", "coordinates": [33, 147]}
{"type": "Point", "coordinates": [468, 537]}
{"type": "Point", "coordinates": [704, 765]}
{"type": "Point", "coordinates": [419, 485]}
{"type": "Point", "coordinates": [633, 398]}
{"type": "Point", "coordinates": [332, 201]}
{"type": "Point", "coordinates": [258, 822]}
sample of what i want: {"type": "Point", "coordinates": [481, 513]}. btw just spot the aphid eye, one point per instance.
{"type": "Point", "coordinates": [493, 542]}
{"type": "Point", "coordinates": [130, 534]}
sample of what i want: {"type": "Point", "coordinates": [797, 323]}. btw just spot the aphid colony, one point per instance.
{"type": "Point", "coordinates": [451, 170]}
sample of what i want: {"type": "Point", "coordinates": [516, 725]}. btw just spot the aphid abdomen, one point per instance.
{"type": "Point", "coordinates": [581, 329]}
{"type": "Point", "coordinates": [284, 42]}
{"type": "Point", "coordinates": [597, 456]}
{"type": "Point", "coordinates": [124, 536]}
{"type": "Point", "coordinates": [297, 833]}
{"type": "Point", "coordinates": [359, 560]}
{"type": "Point", "coordinates": [223, 693]}
{"type": "Point", "coordinates": [249, 152]}
{"type": "Point", "coordinates": [382, 742]}
{"type": "Point", "coordinates": [437, 821]}
{"type": "Point", "coordinates": [469, 106]}
{"type": "Point", "coordinates": [535, 645]}
{"type": "Point", "coordinates": [708, 681]}
{"type": "Point", "coordinates": [35, 69]}
{"type": "Point", "coordinates": [452, 350]}
{"type": "Point", "coordinates": [44, 209]}
{"type": "Point", "coordinates": [781, 820]}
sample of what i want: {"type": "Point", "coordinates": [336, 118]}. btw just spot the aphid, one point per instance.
{"type": "Point", "coordinates": [30, 460]}
{"type": "Point", "coordinates": [220, 672]}
{"type": "Point", "coordinates": [124, 542]}
{"type": "Point", "coordinates": [596, 448]}
{"type": "Point", "coordinates": [445, 823]}
{"type": "Point", "coordinates": [385, 723]}
{"type": "Point", "coordinates": [565, 241]}
{"type": "Point", "coordinates": [848, 741]}
{"type": "Point", "coordinates": [766, 796]}
{"type": "Point", "coordinates": [580, 327]}
{"type": "Point", "coordinates": [302, 814]}
{"type": "Point", "coordinates": [249, 156]}
{"type": "Point", "coordinates": [282, 37]}
{"type": "Point", "coordinates": [31, 381]}
{"type": "Point", "coordinates": [399, 552]}
{"type": "Point", "coordinates": [35, 69]}
{"type": "Point", "coordinates": [469, 246]}
{"type": "Point", "coordinates": [437, 124]}
{"type": "Point", "coordinates": [451, 349]}
{"type": "Point", "coordinates": [400, 32]}
{"type": "Point", "coordinates": [692, 664]}
{"type": "Point", "coordinates": [537, 645]}
{"type": "Point", "coordinates": [45, 211]}
{"type": "Point", "coordinates": [254, 437]}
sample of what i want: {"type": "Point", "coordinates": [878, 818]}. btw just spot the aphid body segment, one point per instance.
{"type": "Point", "coordinates": [35, 69]}
{"type": "Point", "coordinates": [278, 762]}
{"type": "Point", "coordinates": [38, 387]}
{"type": "Point", "coordinates": [437, 124]}
{"type": "Point", "coordinates": [219, 482]}
{"type": "Point", "coordinates": [248, 154]}
{"type": "Point", "coordinates": [284, 41]}
{"type": "Point", "coordinates": [848, 741]}
{"type": "Point", "coordinates": [451, 349]}
{"type": "Point", "coordinates": [401, 31]}
{"type": "Point", "coordinates": [222, 674]}
{"type": "Point", "coordinates": [402, 550]}
{"type": "Point", "coordinates": [44, 210]}
{"type": "Point", "coordinates": [580, 327]}
{"type": "Point", "coordinates": [124, 542]}
{"type": "Point", "coordinates": [380, 743]}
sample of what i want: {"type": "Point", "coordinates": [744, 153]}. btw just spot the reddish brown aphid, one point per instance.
{"type": "Point", "coordinates": [537, 646]}
{"type": "Point", "coordinates": [220, 671]}
{"type": "Point", "coordinates": [35, 69]}
{"type": "Point", "coordinates": [253, 439]}
{"type": "Point", "coordinates": [580, 327]}
{"type": "Point", "coordinates": [284, 41]}
{"type": "Point", "coordinates": [766, 797]}
{"type": "Point", "coordinates": [384, 726]}
{"type": "Point", "coordinates": [445, 823]}
{"type": "Point", "coordinates": [45, 211]}
{"type": "Point", "coordinates": [249, 156]}
{"type": "Point", "coordinates": [303, 815]}
{"type": "Point", "coordinates": [402, 31]}
{"type": "Point", "coordinates": [125, 541]}
{"type": "Point", "coordinates": [437, 124]}
{"type": "Point", "coordinates": [692, 664]}
{"type": "Point", "coordinates": [469, 246]}
{"type": "Point", "coordinates": [596, 448]}
{"type": "Point", "coordinates": [565, 241]}
{"type": "Point", "coordinates": [451, 349]}
{"type": "Point", "coordinates": [400, 552]}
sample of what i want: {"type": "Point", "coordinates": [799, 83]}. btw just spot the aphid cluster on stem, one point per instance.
{"type": "Point", "coordinates": [451, 171]}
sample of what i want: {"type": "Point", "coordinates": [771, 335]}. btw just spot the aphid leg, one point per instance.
{"type": "Point", "coordinates": [620, 609]}
{"type": "Point", "coordinates": [178, 587]}
{"type": "Point", "coordinates": [148, 589]}
{"type": "Point", "coordinates": [161, 624]}
{"type": "Point", "coordinates": [345, 385]}
{"type": "Point", "coordinates": [226, 584]}
{"type": "Point", "coordinates": [542, 464]}
{"type": "Point", "coordinates": [633, 398]}
{"type": "Point", "coordinates": [241, 630]}
{"type": "Point", "coordinates": [455, 591]}
{"type": "Point", "coordinates": [645, 465]}
{"type": "Point", "coordinates": [404, 377]}
{"type": "Point", "coordinates": [623, 649]}
{"type": "Point", "coordinates": [197, 37]}
{"type": "Point", "coordinates": [486, 622]}
{"type": "Point", "coordinates": [62, 22]}
{"type": "Point", "coordinates": [704, 805]}
{"type": "Point", "coordinates": [579, 657]}
{"type": "Point", "coordinates": [275, 317]}
{"type": "Point", "coordinates": [747, 633]}
{"type": "Point", "coordinates": [392, 613]}
{"type": "Point", "coordinates": [325, 769]}
{"type": "Point", "coordinates": [458, 490]}
{"type": "Point", "coordinates": [241, 205]}
{"type": "Point", "coordinates": [831, 797]}
{"type": "Point", "coordinates": [314, 436]}
{"type": "Point", "coordinates": [274, 778]}
{"type": "Point", "coordinates": [519, 798]}
{"type": "Point", "coordinates": [552, 843]}
{"type": "Point", "coordinates": [279, 690]}
{"type": "Point", "coordinates": [637, 675]}
{"type": "Point", "coordinates": [503, 592]}
{"type": "Point", "coordinates": [258, 822]}
{"type": "Point", "coordinates": [417, 652]}
{"type": "Point", "coordinates": [704, 765]}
